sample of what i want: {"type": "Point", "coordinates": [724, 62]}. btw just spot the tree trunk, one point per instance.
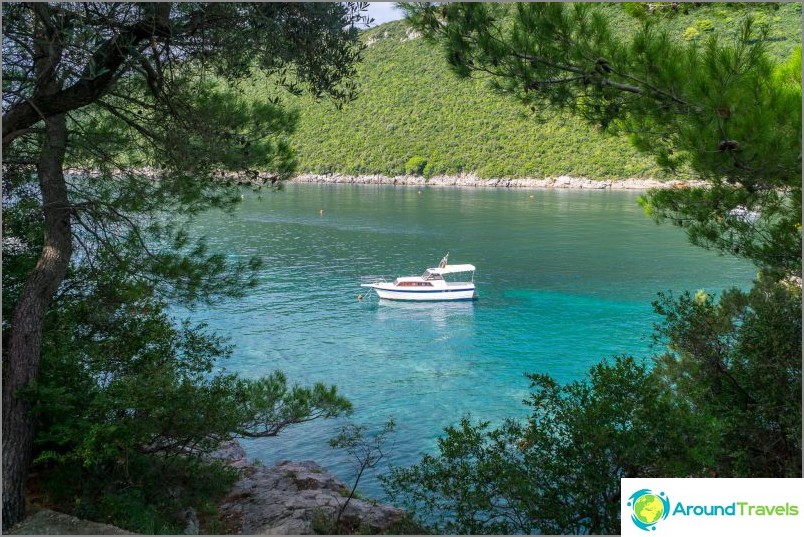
{"type": "Point", "coordinates": [25, 339]}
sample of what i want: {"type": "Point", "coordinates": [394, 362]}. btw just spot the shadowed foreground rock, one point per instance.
{"type": "Point", "coordinates": [285, 499]}
{"type": "Point", "coordinates": [47, 522]}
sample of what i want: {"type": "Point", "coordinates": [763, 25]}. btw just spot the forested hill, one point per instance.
{"type": "Point", "coordinates": [411, 105]}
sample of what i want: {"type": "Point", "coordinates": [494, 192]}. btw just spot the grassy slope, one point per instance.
{"type": "Point", "coordinates": [412, 105]}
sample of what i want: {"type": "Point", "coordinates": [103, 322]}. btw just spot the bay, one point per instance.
{"type": "Point", "coordinates": [565, 279]}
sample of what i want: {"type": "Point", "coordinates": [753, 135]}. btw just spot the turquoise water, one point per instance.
{"type": "Point", "coordinates": [564, 278]}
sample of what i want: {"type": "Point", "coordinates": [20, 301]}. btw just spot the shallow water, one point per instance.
{"type": "Point", "coordinates": [564, 278]}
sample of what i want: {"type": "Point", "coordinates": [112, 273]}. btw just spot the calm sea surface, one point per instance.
{"type": "Point", "coordinates": [565, 279]}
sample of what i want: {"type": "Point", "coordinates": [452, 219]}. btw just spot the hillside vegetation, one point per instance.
{"type": "Point", "coordinates": [413, 115]}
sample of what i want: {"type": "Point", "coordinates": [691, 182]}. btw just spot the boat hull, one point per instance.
{"type": "Point", "coordinates": [429, 295]}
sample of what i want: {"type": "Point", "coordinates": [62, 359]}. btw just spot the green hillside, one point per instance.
{"type": "Point", "coordinates": [412, 105]}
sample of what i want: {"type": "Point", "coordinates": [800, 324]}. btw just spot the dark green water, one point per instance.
{"type": "Point", "coordinates": [565, 279]}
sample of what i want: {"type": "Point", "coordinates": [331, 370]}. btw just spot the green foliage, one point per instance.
{"type": "Point", "coordinates": [691, 33]}
{"type": "Point", "coordinates": [636, 80]}
{"type": "Point", "coordinates": [704, 25]}
{"type": "Point", "coordinates": [415, 165]}
{"type": "Point", "coordinates": [410, 106]}
{"type": "Point", "coordinates": [220, 129]}
{"type": "Point", "coordinates": [560, 471]}
{"type": "Point", "coordinates": [638, 10]}
{"type": "Point", "coordinates": [739, 361]}
{"type": "Point", "coordinates": [151, 499]}
{"type": "Point", "coordinates": [771, 237]}
{"type": "Point", "coordinates": [22, 234]}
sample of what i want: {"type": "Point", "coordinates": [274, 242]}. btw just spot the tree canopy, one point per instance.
{"type": "Point", "coordinates": [118, 119]}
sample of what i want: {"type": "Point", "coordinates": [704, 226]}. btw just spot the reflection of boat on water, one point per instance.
{"type": "Point", "coordinates": [430, 286]}
{"type": "Point", "coordinates": [412, 306]}
{"type": "Point", "coordinates": [435, 315]}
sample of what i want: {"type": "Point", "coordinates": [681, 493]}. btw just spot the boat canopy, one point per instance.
{"type": "Point", "coordinates": [449, 269]}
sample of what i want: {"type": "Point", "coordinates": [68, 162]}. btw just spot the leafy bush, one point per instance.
{"type": "Point", "coordinates": [704, 25]}
{"type": "Point", "coordinates": [691, 33]}
{"type": "Point", "coordinates": [638, 10]}
{"type": "Point", "coordinates": [149, 499]}
{"type": "Point", "coordinates": [415, 166]}
{"type": "Point", "coordinates": [579, 441]}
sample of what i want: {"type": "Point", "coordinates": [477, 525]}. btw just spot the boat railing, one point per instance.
{"type": "Point", "coordinates": [374, 279]}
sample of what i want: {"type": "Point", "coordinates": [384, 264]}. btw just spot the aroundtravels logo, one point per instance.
{"type": "Point", "coordinates": [648, 508]}
{"type": "Point", "coordinates": [711, 506]}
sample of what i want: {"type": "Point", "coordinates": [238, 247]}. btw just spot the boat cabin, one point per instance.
{"type": "Point", "coordinates": [413, 281]}
{"type": "Point", "coordinates": [431, 285]}
{"type": "Point", "coordinates": [432, 277]}
{"type": "Point", "coordinates": [412, 284]}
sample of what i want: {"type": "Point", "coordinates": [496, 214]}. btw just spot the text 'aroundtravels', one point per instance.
{"type": "Point", "coordinates": [736, 509]}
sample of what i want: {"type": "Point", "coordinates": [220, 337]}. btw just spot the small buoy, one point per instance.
{"type": "Point", "coordinates": [360, 298]}
{"type": "Point", "coordinates": [419, 192]}
{"type": "Point", "coordinates": [531, 196]}
{"type": "Point", "coordinates": [321, 212]}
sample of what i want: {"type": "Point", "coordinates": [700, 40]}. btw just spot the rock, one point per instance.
{"type": "Point", "coordinates": [192, 526]}
{"type": "Point", "coordinates": [286, 498]}
{"type": "Point", "coordinates": [47, 522]}
{"type": "Point", "coordinates": [410, 35]}
{"type": "Point", "coordinates": [232, 454]}
{"type": "Point", "coordinates": [471, 180]}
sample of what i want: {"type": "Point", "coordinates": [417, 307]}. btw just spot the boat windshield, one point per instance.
{"type": "Point", "coordinates": [430, 276]}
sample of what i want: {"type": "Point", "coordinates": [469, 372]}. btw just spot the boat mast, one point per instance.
{"type": "Point", "coordinates": [443, 262]}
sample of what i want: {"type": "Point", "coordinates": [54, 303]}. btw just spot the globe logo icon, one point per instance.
{"type": "Point", "coordinates": [648, 508]}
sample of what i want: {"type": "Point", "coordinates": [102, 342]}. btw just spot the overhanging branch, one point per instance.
{"type": "Point", "coordinates": [107, 60]}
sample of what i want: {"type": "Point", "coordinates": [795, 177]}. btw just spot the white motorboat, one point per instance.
{"type": "Point", "coordinates": [430, 286]}
{"type": "Point", "coordinates": [742, 214]}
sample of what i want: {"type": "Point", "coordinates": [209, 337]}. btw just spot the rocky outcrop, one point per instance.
{"type": "Point", "coordinates": [410, 35]}
{"type": "Point", "coordinates": [287, 498]}
{"type": "Point", "coordinates": [469, 180]}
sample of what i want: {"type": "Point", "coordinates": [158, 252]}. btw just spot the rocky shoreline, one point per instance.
{"type": "Point", "coordinates": [467, 180]}
{"type": "Point", "coordinates": [294, 498]}
{"type": "Point", "coordinates": [472, 181]}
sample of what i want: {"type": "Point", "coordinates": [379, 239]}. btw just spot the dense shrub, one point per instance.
{"type": "Point", "coordinates": [415, 165]}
